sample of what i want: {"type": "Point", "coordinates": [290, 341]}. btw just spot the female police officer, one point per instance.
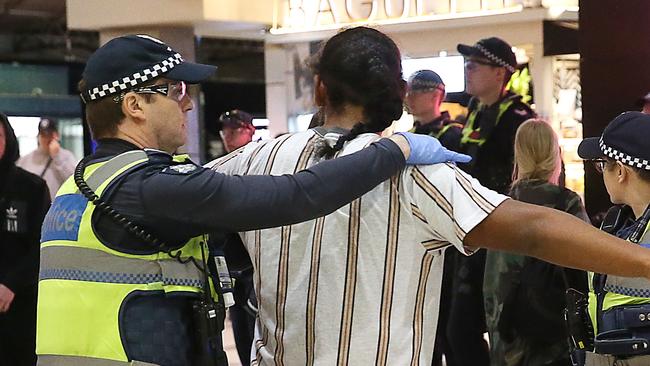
{"type": "Point", "coordinates": [619, 307]}
{"type": "Point", "coordinates": [122, 279]}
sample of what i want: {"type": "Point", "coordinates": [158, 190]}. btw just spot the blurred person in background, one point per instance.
{"type": "Point", "coordinates": [24, 200]}
{"type": "Point", "coordinates": [49, 161]}
{"type": "Point", "coordinates": [524, 296]}
{"type": "Point", "coordinates": [236, 129]}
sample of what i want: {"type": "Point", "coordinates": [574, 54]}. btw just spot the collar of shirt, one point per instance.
{"type": "Point", "coordinates": [628, 228]}
{"type": "Point", "coordinates": [110, 147]}
{"type": "Point", "coordinates": [434, 126]}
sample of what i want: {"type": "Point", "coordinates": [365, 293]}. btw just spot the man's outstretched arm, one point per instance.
{"type": "Point", "coordinates": [559, 238]}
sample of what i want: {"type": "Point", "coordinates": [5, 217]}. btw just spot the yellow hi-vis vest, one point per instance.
{"type": "Point", "coordinates": [620, 291]}
{"type": "Point", "coordinates": [469, 129]}
{"type": "Point", "coordinates": [83, 283]}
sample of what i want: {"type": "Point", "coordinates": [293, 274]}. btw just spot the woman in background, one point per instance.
{"type": "Point", "coordinates": [524, 296]}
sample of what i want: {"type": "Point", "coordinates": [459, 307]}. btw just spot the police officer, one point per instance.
{"type": "Point", "coordinates": [237, 129]}
{"type": "Point", "coordinates": [123, 277]}
{"type": "Point", "coordinates": [24, 199]}
{"type": "Point", "coordinates": [488, 136]}
{"type": "Point", "coordinates": [619, 308]}
{"type": "Point", "coordinates": [494, 112]}
{"type": "Point", "coordinates": [424, 96]}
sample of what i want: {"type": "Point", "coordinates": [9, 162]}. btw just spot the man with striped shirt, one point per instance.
{"type": "Point", "coordinates": [365, 288]}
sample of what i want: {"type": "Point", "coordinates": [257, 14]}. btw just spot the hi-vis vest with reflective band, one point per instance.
{"type": "Point", "coordinates": [620, 291]}
{"type": "Point", "coordinates": [83, 283]}
{"type": "Point", "coordinates": [442, 131]}
{"type": "Point", "coordinates": [469, 132]}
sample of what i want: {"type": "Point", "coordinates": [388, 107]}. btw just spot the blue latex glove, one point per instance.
{"type": "Point", "coordinates": [428, 150]}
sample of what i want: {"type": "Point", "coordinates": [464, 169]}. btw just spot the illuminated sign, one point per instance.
{"type": "Point", "coordinates": [307, 15]}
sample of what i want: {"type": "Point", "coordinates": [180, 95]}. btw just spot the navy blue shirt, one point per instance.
{"type": "Point", "coordinates": [176, 205]}
{"type": "Point", "coordinates": [450, 138]}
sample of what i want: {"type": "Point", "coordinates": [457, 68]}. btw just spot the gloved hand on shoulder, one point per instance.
{"type": "Point", "coordinates": [428, 150]}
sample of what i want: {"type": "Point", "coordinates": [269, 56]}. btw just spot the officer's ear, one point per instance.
{"type": "Point", "coordinates": [503, 75]}
{"type": "Point", "coordinates": [132, 107]}
{"type": "Point", "coordinates": [250, 128]}
{"type": "Point", "coordinates": [439, 96]}
{"type": "Point", "coordinates": [622, 172]}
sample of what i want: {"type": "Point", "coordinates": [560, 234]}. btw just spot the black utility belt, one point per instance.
{"type": "Point", "coordinates": [626, 317]}
{"type": "Point", "coordinates": [624, 331]}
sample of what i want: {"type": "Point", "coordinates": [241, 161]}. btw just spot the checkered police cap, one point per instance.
{"type": "Point", "coordinates": [624, 140]}
{"type": "Point", "coordinates": [128, 61]}
{"type": "Point", "coordinates": [494, 49]}
{"type": "Point", "coordinates": [425, 81]}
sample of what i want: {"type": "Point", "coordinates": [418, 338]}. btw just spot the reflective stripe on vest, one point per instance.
{"type": "Point", "coordinates": [469, 129]}
{"type": "Point", "coordinates": [442, 130]}
{"type": "Point", "coordinates": [84, 283]}
{"type": "Point", "coordinates": [49, 360]}
{"type": "Point", "coordinates": [620, 291]}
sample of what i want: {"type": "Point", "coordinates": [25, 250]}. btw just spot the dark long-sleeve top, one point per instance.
{"type": "Point", "coordinates": [24, 200]}
{"type": "Point", "coordinates": [177, 204]}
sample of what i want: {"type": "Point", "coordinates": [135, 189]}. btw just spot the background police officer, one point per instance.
{"type": "Point", "coordinates": [619, 308]}
{"type": "Point", "coordinates": [237, 129]}
{"type": "Point", "coordinates": [488, 136]}
{"type": "Point", "coordinates": [123, 278]}
{"type": "Point", "coordinates": [424, 96]}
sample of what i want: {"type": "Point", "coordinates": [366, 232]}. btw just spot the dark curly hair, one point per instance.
{"type": "Point", "coordinates": [361, 66]}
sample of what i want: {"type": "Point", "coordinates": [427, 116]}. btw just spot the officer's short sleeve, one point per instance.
{"type": "Point", "coordinates": [449, 201]}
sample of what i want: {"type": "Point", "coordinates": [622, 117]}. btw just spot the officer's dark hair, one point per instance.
{"type": "Point", "coordinates": [506, 78]}
{"type": "Point", "coordinates": [361, 66]}
{"type": "Point", "coordinates": [104, 115]}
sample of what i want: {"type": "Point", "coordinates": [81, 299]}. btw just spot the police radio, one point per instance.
{"type": "Point", "coordinates": [641, 225]}
{"type": "Point", "coordinates": [208, 315]}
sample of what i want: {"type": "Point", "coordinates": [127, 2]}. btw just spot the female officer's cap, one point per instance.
{"type": "Point", "coordinates": [625, 139]}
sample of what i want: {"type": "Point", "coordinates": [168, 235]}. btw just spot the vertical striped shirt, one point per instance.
{"type": "Point", "coordinates": [359, 286]}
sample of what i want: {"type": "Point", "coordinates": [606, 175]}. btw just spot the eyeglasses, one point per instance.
{"type": "Point", "coordinates": [176, 91]}
{"type": "Point", "coordinates": [473, 64]}
{"type": "Point", "coordinates": [599, 164]}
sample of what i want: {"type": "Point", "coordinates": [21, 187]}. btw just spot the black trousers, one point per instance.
{"type": "Point", "coordinates": [466, 324]}
{"type": "Point", "coordinates": [243, 321]}
{"type": "Point", "coordinates": [442, 346]}
{"type": "Point", "coordinates": [18, 331]}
